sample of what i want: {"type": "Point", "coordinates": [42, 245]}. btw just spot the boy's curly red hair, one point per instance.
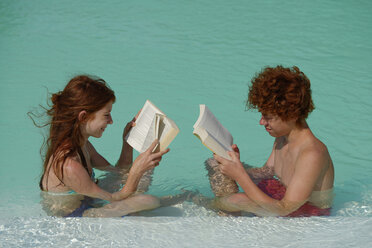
{"type": "Point", "coordinates": [281, 91]}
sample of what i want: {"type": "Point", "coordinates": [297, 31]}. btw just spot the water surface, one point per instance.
{"type": "Point", "coordinates": [180, 54]}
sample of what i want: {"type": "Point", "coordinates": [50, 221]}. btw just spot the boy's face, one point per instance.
{"type": "Point", "coordinates": [275, 126]}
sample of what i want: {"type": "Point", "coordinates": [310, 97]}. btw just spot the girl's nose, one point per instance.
{"type": "Point", "coordinates": [110, 121]}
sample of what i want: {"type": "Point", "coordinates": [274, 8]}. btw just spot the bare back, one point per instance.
{"type": "Point", "coordinates": [50, 180]}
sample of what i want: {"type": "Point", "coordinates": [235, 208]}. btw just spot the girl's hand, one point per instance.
{"type": "Point", "coordinates": [128, 127]}
{"type": "Point", "coordinates": [148, 160]}
{"type": "Point", "coordinates": [130, 124]}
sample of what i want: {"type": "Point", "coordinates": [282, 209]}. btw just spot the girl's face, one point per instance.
{"type": "Point", "coordinates": [97, 125]}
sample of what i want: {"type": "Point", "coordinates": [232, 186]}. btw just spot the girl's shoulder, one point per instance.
{"type": "Point", "coordinates": [73, 168]}
{"type": "Point", "coordinates": [72, 162]}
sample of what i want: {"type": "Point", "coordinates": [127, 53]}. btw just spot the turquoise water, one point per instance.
{"type": "Point", "coordinates": [180, 54]}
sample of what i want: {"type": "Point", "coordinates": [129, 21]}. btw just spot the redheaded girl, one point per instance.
{"type": "Point", "coordinates": [82, 110]}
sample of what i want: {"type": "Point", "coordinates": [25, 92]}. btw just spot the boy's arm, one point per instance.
{"type": "Point", "coordinates": [257, 174]}
{"type": "Point", "coordinates": [264, 172]}
{"type": "Point", "coordinates": [308, 168]}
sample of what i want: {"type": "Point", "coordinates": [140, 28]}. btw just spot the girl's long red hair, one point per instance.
{"type": "Point", "coordinates": [82, 93]}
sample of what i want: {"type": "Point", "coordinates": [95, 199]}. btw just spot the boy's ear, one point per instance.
{"type": "Point", "coordinates": [82, 115]}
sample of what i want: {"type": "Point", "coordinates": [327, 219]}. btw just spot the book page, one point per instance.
{"type": "Point", "coordinates": [155, 127]}
{"type": "Point", "coordinates": [142, 134]}
{"type": "Point", "coordinates": [158, 119]}
{"type": "Point", "coordinates": [150, 137]}
{"type": "Point", "coordinates": [216, 147]}
{"type": "Point", "coordinates": [163, 128]}
{"type": "Point", "coordinates": [168, 130]}
{"type": "Point", "coordinates": [214, 128]}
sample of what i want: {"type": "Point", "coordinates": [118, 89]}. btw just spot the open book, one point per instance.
{"type": "Point", "coordinates": [212, 134]}
{"type": "Point", "coordinates": [152, 124]}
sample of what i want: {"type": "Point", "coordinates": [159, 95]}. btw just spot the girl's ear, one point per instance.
{"type": "Point", "coordinates": [82, 115]}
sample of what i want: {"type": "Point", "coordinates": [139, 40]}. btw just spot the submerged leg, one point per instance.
{"type": "Point", "coordinates": [218, 204]}
{"type": "Point", "coordinates": [114, 181]}
{"type": "Point", "coordinates": [221, 185]}
{"type": "Point", "coordinates": [170, 200]}
{"type": "Point", "coordinates": [132, 204]}
{"type": "Point", "coordinates": [241, 202]}
{"type": "Point", "coordinates": [234, 203]}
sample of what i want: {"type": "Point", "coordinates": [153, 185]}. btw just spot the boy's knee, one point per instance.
{"type": "Point", "coordinates": [148, 200]}
{"type": "Point", "coordinates": [236, 199]}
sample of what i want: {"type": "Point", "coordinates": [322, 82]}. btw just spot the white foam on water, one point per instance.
{"type": "Point", "coordinates": [190, 226]}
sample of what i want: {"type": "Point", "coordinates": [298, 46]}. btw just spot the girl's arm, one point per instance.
{"type": "Point", "coordinates": [144, 162]}
{"type": "Point", "coordinates": [97, 161]}
{"type": "Point", "coordinates": [77, 178]}
{"type": "Point", "coordinates": [126, 155]}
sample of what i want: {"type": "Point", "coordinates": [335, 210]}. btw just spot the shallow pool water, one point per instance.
{"type": "Point", "coordinates": [180, 54]}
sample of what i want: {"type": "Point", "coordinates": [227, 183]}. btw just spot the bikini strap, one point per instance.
{"type": "Point", "coordinates": [82, 157]}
